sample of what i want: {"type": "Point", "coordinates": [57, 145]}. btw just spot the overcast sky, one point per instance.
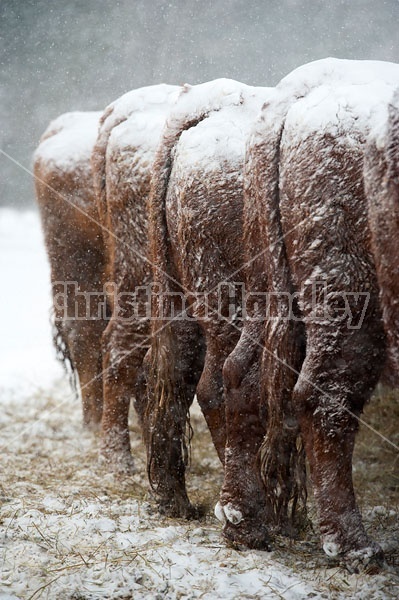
{"type": "Point", "coordinates": [82, 54]}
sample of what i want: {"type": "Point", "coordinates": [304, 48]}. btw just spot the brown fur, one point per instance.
{"type": "Point", "coordinates": [171, 390]}
{"type": "Point", "coordinates": [76, 252]}
{"type": "Point", "coordinates": [196, 232]}
{"type": "Point", "coordinates": [281, 454]}
{"type": "Point", "coordinates": [106, 356]}
{"type": "Point", "coordinates": [381, 174]}
{"type": "Point", "coordinates": [122, 160]}
{"type": "Point", "coordinates": [306, 212]}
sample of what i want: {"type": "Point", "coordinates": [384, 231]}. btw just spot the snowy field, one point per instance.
{"type": "Point", "coordinates": [69, 530]}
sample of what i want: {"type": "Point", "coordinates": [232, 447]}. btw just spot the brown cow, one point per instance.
{"type": "Point", "coordinates": [308, 239]}
{"type": "Point", "coordinates": [96, 233]}
{"type": "Point", "coordinates": [196, 233]}
{"type": "Point", "coordinates": [75, 247]}
{"type": "Point", "coordinates": [129, 132]}
{"type": "Point", "coordinates": [381, 175]}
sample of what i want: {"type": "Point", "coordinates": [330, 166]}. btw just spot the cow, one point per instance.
{"type": "Point", "coordinates": [308, 246]}
{"type": "Point", "coordinates": [381, 178]}
{"type": "Point", "coordinates": [75, 248]}
{"type": "Point", "coordinates": [196, 238]}
{"type": "Point", "coordinates": [92, 173]}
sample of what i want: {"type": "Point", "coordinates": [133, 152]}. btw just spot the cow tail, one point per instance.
{"type": "Point", "coordinates": [99, 163]}
{"type": "Point", "coordinates": [281, 456]}
{"type": "Point", "coordinates": [63, 353]}
{"type": "Point", "coordinates": [167, 430]}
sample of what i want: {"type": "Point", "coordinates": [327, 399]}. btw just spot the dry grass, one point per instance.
{"type": "Point", "coordinates": [376, 463]}
{"type": "Point", "coordinates": [62, 461]}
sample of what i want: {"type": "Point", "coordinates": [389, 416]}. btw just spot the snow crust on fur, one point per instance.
{"type": "Point", "coordinates": [231, 108]}
{"type": "Point", "coordinates": [68, 141]}
{"type": "Point", "coordinates": [129, 132]}
{"type": "Point", "coordinates": [360, 89]}
{"type": "Point", "coordinates": [143, 113]}
{"type": "Point", "coordinates": [357, 83]}
{"type": "Point", "coordinates": [150, 98]}
{"type": "Point", "coordinates": [146, 111]}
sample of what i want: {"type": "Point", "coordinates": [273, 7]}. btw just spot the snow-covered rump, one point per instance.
{"type": "Point", "coordinates": [364, 85]}
{"type": "Point", "coordinates": [68, 141]}
{"type": "Point", "coordinates": [230, 108]}
{"type": "Point", "coordinates": [152, 98]}
{"type": "Point", "coordinates": [134, 121]}
{"type": "Point", "coordinates": [197, 192]}
{"type": "Point", "coordinates": [306, 189]}
{"type": "Point", "coordinates": [134, 124]}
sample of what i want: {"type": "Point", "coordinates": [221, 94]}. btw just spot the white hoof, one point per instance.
{"type": "Point", "coordinates": [219, 513]}
{"type": "Point", "coordinates": [331, 549]}
{"type": "Point", "coordinates": [232, 514]}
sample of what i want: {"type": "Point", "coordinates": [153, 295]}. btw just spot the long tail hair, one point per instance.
{"type": "Point", "coordinates": [167, 417]}
{"type": "Point", "coordinates": [281, 456]}
{"type": "Point", "coordinates": [63, 353]}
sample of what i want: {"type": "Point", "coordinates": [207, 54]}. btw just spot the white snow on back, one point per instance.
{"type": "Point", "coordinates": [68, 141]}
{"type": "Point", "coordinates": [152, 98]}
{"type": "Point", "coordinates": [209, 96]}
{"type": "Point", "coordinates": [337, 72]}
{"type": "Point", "coordinates": [379, 129]}
{"type": "Point", "coordinates": [136, 121]}
{"type": "Point", "coordinates": [231, 108]}
{"type": "Point", "coordinates": [361, 88]}
{"type": "Point", "coordinates": [339, 110]}
{"type": "Point", "coordinates": [142, 112]}
{"type": "Point", "coordinates": [142, 129]}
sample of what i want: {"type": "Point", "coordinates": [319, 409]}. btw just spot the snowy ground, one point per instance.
{"type": "Point", "coordinates": [70, 531]}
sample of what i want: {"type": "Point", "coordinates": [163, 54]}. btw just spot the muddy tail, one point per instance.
{"type": "Point", "coordinates": [282, 456]}
{"type": "Point", "coordinates": [167, 429]}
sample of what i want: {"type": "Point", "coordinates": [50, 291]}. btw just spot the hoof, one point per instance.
{"type": "Point", "coordinates": [119, 463]}
{"type": "Point", "coordinates": [178, 507]}
{"type": "Point", "coordinates": [247, 535]}
{"type": "Point", "coordinates": [240, 532]}
{"type": "Point", "coordinates": [368, 560]}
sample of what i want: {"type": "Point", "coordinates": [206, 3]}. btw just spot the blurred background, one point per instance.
{"type": "Point", "coordinates": [82, 54]}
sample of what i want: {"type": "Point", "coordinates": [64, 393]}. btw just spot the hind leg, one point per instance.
{"type": "Point", "coordinates": [77, 273]}
{"type": "Point", "coordinates": [165, 422]}
{"type": "Point", "coordinates": [242, 507]}
{"type": "Point", "coordinates": [84, 341]}
{"type": "Point", "coordinates": [210, 393]}
{"type": "Point", "coordinates": [124, 346]}
{"type": "Point", "coordinates": [341, 368]}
